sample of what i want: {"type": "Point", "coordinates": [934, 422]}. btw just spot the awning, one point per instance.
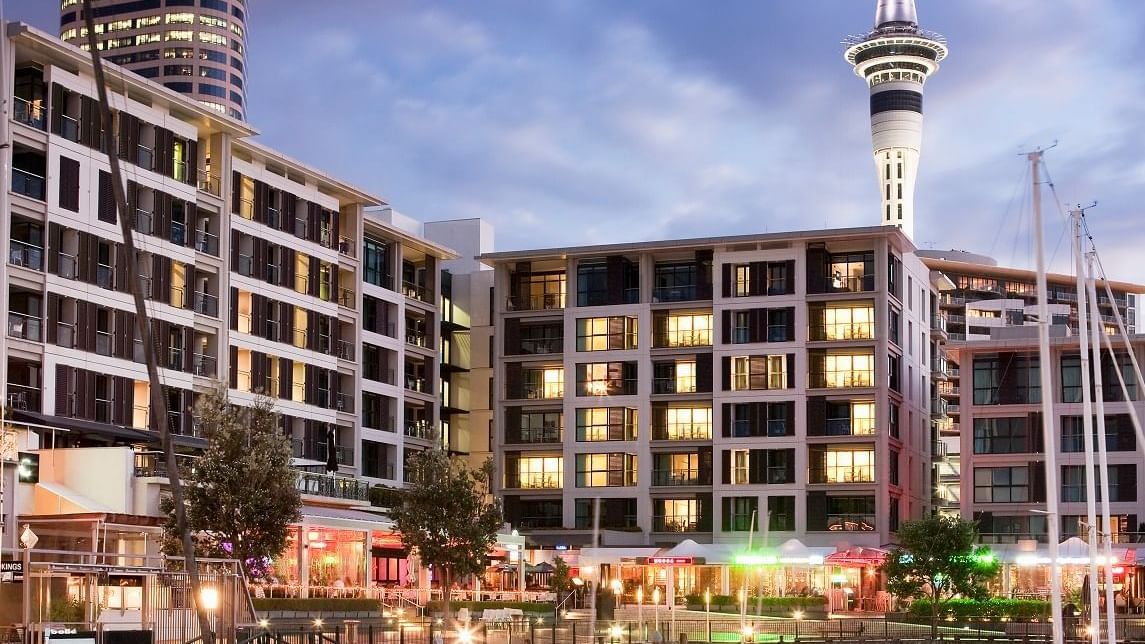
{"type": "Point", "coordinates": [77, 426]}
{"type": "Point", "coordinates": [857, 557]}
{"type": "Point", "coordinates": [61, 499]}
{"type": "Point", "coordinates": [345, 518]}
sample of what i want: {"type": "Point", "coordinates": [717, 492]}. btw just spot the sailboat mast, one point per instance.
{"type": "Point", "coordinates": [1052, 517]}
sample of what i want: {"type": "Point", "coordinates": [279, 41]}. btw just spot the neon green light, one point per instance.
{"type": "Point", "coordinates": [748, 559]}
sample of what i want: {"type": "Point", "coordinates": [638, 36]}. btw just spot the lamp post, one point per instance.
{"type": "Point", "coordinates": [656, 606]}
{"type": "Point", "coordinates": [209, 597]}
{"type": "Point", "coordinates": [640, 608]}
{"type": "Point", "coordinates": [708, 613]}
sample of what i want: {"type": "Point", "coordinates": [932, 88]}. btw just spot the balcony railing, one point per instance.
{"type": "Point", "coordinates": [103, 343]}
{"type": "Point", "coordinates": [545, 302]}
{"type": "Point", "coordinates": [675, 524]}
{"type": "Point", "coordinates": [178, 233]}
{"type": "Point", "coordinates": [850, 522]}
{"type": "Point", "coordinates": [415, 291]}
{"type": "Point", "coordinates": [674, 385]}
{"type": "Point", "coordinates": [346, 350]}
{"type": "Point", "coordinates": [26, 255]}
{"type": "Point", "coordinates": [105, 276]}
{"type": "Point", "coordinates": [23, 397]}
{"type": "Point", "coordinates": [207, 243]}
{"type": "Point", "coordinates": [29, 113]}
{"type": "Point", "coordinates": [205, 365]}
{"type": "Point", "coordinates": [209, 183]}
{"type": "Point", "coordinates": [673, 478]}
{"type": "Point", "coordinates": [612, 387]}
{"type": "Point", "coordinates": [536, 435]}
{"type": "Point", "coordinates": [541, 346]}
{"type": "Point", "coordinates": [347, 298]}
{"type": "Point", "coordinates": [272, 217]}
{"type": "Point", "coordinates": [346, 246]}
{"type": "Point", "coordinates": [70, 127]}
{"type": "Point", "coordinates": [28, 184]}
{"type": "Point", "coordinates": [246, 209]}
{"type": "Point", "coordinates": [850, 284]}
{"type": "Point", "coordinates": [938, 323]}
{"type": "Point", "coordinates": [676, 339]}
{"type": "Point", "coordinates": [67, 265]}
{"type": "Point", "coordinates": [24, 327]}
{"type": "Point", "coordinates": [143, 222]}
{"type": "Point", "coordinates": [65, 335]}
{"type": "Point", "coordinates": [206, 304]}
{"type": "Point", "coordinates": [419, 429]}
{"type": "Point", "coordinates": [344, 403]}
{"type": "Point", "coordinates": [144, 157]}
{"type": "Point", "coordinates": [536, 481]}
{"type": "Point", "coordinates": [845, 427]}
{"type": "Point", "coordinates": [832, 475]}
{"type": "Point", "coordinates": [683, 432]}
{"type": "Point", "coordinates": [415, 383]}
{"type": "Point", "coordinates": [674, 293]}
{"type": "Point", "coordinates": [532, 391]}
{"type": "Point", "coordinates": [334, 487]}
{"type": "Point", "coordinates": [417, 339]}
{"type": "Point", "coordinates": [246, 265]}
{"type": "Point", "coordinates": [152, 464]}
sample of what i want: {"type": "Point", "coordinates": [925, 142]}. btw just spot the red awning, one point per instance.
{"type": "Point", "coordinates": [856, 557]}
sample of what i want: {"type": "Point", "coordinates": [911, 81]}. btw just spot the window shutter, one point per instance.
{"type": "Point", "coordinates": [64, 386]}
{"type": "Point", "coordinates": [727, 280]}
{"type": "Point", "coordinates": [756, 466]}
{"type": "Point", "coordinates": [285, 322]}
{"type": "Point", "coordinates": [69, 197]}
{"type": "Point", "coordinates": [192, 159]}
{"type": "Point", "coordinates": [512, 338]}
{"type": "Point", "coordinates": [757, 372]}
{"type": "Point", "coordinates": [1126, 483]}
{"type": "Point", "coordinates": [790, 371]}
{"type": "Point", "coordinates": [789, 269]}
{"type": "Point", "coordinates": [236, 192]}
{"type": "Point", "coordinates": [726, 420]}
{"type": "Point", "coordinates": [234, 366]}
{"type": "Point", "coordinates": [59, 106]}
{"type": "Point", "coordinates": [816, 269]}
{"type": "Point", "coordinates": [615, 470]}
{"type": "Point", "coordinates": [726, 327]}
{"type": "Point", "coordinates": [726, 514]}
{"type": "Point", "coordinates": [260, 199]}
{"type": "Point", "coordinates": [659, 422]}
{"type": "Point", "coordinates": [105, 210]}
{"type": "Point", "coordinates": [726, 372]}
{"type": "Point", "coordinates": [312, 278]}
{"type": "Point", "coordinates": [55, 242]}
{"type": "Point", "coordinates": [514, 381]}
{"type": "Point", "coordinates": [53, 316]}
{"type": "Point", "coordinates": [188, 349]}
{"type": "Point", "coordinates": [790, 330]}
{"type": "Point", "coordinates": [816, 416]}
{"type": "Point", "coordinates": [726, 466]}
{"type": "Point", "coordinates": [1038, 481]}
{"type": "Point", "coordinates": [757, 325]}
{"type": "Point", "coordinates": [616, 424]}
{"type": "Point", "coordinates": [1035, 437]}
{"type": "Point", "coordinates": [816, 511]}
{"type": "Point", "coordinates": [236, 237]}
{"type": "Point", "coordinates": [704, 372]}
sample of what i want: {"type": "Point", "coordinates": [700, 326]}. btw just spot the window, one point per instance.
{"type": "Point", "coordinates": [1002, 484]}
{"type": "Point", "coordinates": [742, 280]}
{"type": "Point", "coordinates": [375, 260]}
{"type": "Point", "coordinates": [894, 468]}
{"type": "Point", "coordinates": [213, 56]}
{"type": "Point", "coordinates": [1122, 483]}
{"type": "Point", "coordinates": [894, 320]}
{"type": "Point", "coordinates": [606, 379]}
{"type": "Point", "coordinates": [539, 291]}
{"type": "Point", "coordinates": [592, 283]}
{"type": "Point", "coordinates": [212, 21]}
{"type": "Point", "coordinates": [179, 35]}
{"type": "Point", "coordinates": [850, 418]}
{"type": "Point", "coordinates": [605, 424]}
{"type": "Point", "coordinates": [184, 18]}
{"type": "Point", "coordinates": [605, 470]}
{"type": "Point", "coordinates": [777, 278]}
{"type": "Point", "coordinates": [545, 384]}
{"type": "Point", "coordinates": [687, 423]}
{"type": "Point", "coordinates": [212, 90]}
{"type": "Point", "coordinates": [739, 513]}
{"type": "Point", "coordinates": [1119, 434]}
{"type": "Point", "coordinates": [851, 513]}
{"type": "Point", "coordinates": [851, 272]}
{"type": "Point", "coordinates": [675, 282]}
{"type": "Point", "coordinates": [1111, 389]}
{"type": "Point", "coordinates": [602, 334]}
{"type": "Point", "coordinates": [676, 515]}
{"type": "Point", "coordinates": [850, 465]}
{"type": "Point", "coordinates": [781, 513]}
{"type": "Point", "coordinates": [212, 38]}
{"type": "Point", "coordinates": [539, 472]}
{"type": "Point", "coordinates": [893, 513]}
{"type": "Point", "coordinates": [212, 73]}
{"type": "Point", "coordinates": [677, 469]}
{"type": "Point", "coordinates": [740, 464]}
{"type": "Point", "coordinates": [688, 330]}
{"type": "Point", "coordinates": [1006, 379]}
{"type": "Point", "coordinates": [893, 420]}
{"type": "Point", "coordinates": [844, 371]}
{"type": "Point", "coordinates": [1003, 436]}
{"type": "Point", "coordinates": [759, 372]}
{"type": "Point", "coordinates": [613, 513]}
{"type": "Point", "coordinates": [849, 322]}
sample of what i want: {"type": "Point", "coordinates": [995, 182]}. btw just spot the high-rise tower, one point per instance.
{"type": "Point", "coordinates": [194, 48]}
{"type": "Point", "coordinates": [896, 58]}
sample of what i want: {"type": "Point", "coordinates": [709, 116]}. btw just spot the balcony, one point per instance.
{"type": "Point", "coordinates": [614, 387]}
{"type": "Point", "coordinates": [683, 339]}
{"type": "Point", "coordinates": [419, 429]}
{"type": "Point", "coordinates": [334, 487]}
{"type": "Point", "coordinates": [536, 481]}
{"type": "Point", "coordinates": [24, 327]}
{"type": "Point", "coordinates": [683, 432]}
{"type": "Point", "coordinates": [209, 183]}
{"type": "Point", "coordinates": [674, 385]}
{"type": "Point", "coordinates": [205, 365]}
{"type": "Point", "coordinates": [26, 255]}
{"type": "Point", "coordinates": [70, 127]}
{"type": "Point", "coordinates": [154, 465]}
{"type": "Point", "coordinates": [347, 298]}
{"type": "Point", "coordinates": [846, 427]}
{"type": "Point", "coordinates": [545, 302]}
{"type": "Point", "coordinates": [674, 293]}
{"type": "Point", "coordinates": [105, 276]}
{"type": "Point", "coordinates": [103, 343]}
{"type": "Point", "coordinates": [840, 475]}
{"type": "Point", "coordinates": [65, 335]}
{"type": "Point", "coordinates": [29, 113]}
{"type": "Point", "coordinates": [550, 391]}
{"type": "Point", "coordinates": [541, 346]}
{"type": "Point", "coordinates": [850, 284]}
{"type": "Point", "coordinates": [206, 304]}
{"type": "Point", "coordinates": [207, 243]}
{"type": "Point", "coordinates": [344, 403]}
{"type": "Point", "coordinates": [417, 338]}
{"type": "Point", "coordinates": [536, 435]}
{"type": "Point", "coordinates": [346, 246]}
{"type": "Point", "coordinates": [142, 222]}
{"type": "Point", "coordinates": [246, 265]}
{"type": "Point", "coordinates": [415, 291]}
{"type": "Point", "coordinates": [850, 522]}
{"type": "Point", "coordinates": [345, 351]}
{"type": "Point", "coordinates": [675, 524]}
{"type": "Point", "coordinates": [23, 397]}
{"type": "Point", "coordinates": [415, 383]}
{"type": "Point", "coordinates": [28, 184]}
{"type": "Point", "coordinates": [677, 478]}
{"type": "Point", "coordinates": [144, 157]}
{"type": "Point", "coordinates": [938, 324]}
{"type": "Point", "coordinates": [67, 265]}
{"type": "Point", "coordinates": [272, 217]}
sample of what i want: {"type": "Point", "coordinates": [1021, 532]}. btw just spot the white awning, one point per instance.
{"type": "Point", "coordinates": [60, 499]}
{"type": "Point", "coordinates": [319, 515]}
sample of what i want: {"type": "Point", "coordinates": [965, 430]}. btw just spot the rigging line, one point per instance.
{"type": "Point", "coordinates": [1020, 219]}
{"type": "Point", "coordinates": [1019, 187]}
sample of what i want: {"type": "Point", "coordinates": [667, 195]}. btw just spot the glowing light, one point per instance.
{"type": "Point", "coordinates": [264, 623]}
{"type": "Point", "coordinates": [209, 597]}
{"type": "Point", "coordinates": [640, 594]}
{"type": "Point", "coordinates": [464, 636]}
{"type": "Point", "coordinates": [748, 631]}
{"type": "Point", "coordinates": [756, 559]}
{"type": "Point", "coordinates": [656, 596]}
{"type": "Point", "coordinates": [587, 571]}
{"type": "Point", "coordinates": [616, 631]}
{"type": "Point", "coordinates": [708, 596]}
{"type": "Point", "coordinates": [616, 586]}
{"type": "Point", "coordinates": [798, 614]}
{"type": "Point", "coordinates": [318, 622]}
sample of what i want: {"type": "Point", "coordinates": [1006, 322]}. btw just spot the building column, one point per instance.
{"type": "Point", "coordinates": [304, 559]}
{"type": "Point", "coordinates": [725, 578]}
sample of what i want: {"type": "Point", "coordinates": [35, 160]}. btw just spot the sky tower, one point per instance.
{"type": "Point", "coordinates": [896, 58]}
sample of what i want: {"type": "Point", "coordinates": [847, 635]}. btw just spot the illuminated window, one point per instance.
{"type": "Point", "coordinates": [850, 466]}
{"type": "Point", "coordinates": [119, 25]}
{"type": "Point", "coordinates": [244, 380]}
{"type": "Point", "coordinates": [676, 515]}
{"type": "Point", "coordinates": [540, 472]}
{"type": "Point", "coordinates": [300, 329]}
{"type": "Point", "coordinates": [605, 470]}
{"type": "Point", "coordinates": [685, 377]}
{"type": "Point", "coordinates": [237, 30]}
{"type": "Point", "coordinates": [212, 38]}
{"type": "Point", "coordinates": [147, 21]}
{"type": "Point", "coordinates": [212, 21]}
{"type": "Point", "coordinates": [180, 35]}
{"type": "Point", "coordinates": [740, 466]}
{"type": "Point", "coordinates": [606, 379]}
{"type": "Point", "coordinates": [743, 280]}
{"type": "Point", "coordinates": [758, 372]}
{"type": "Point", "coordinates": [298, 380]}
{"type": "Point", "coordinates": [180, 19]}
{"type": "Point", "coordinates": [605, 424]}
{"type": "Point", "coordinates": [602, 334]}
{"type": "Point", "coordinates": [688, 423]}
{"type": "Point", "coordinates": [545, 384]}
{"type": "Point", "coordinates": [854, 322]}
{"type": "Point", "coordinates": [144, 39]}
{"type": "Point", "coordinates": [689, 330]}
{"type": "Point", "coordinates": [844, 371]}
{"type": "Point", "coordinates": [68, 34]}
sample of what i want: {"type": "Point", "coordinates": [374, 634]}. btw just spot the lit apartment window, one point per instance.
{"type": "Point", "coordinates": [69, 34]}
{"type": "Point", "coordinates": [605, 470]}
{"type": "Point", "coordinates": [844, 371]}
{"type": "Point", "coordinates": [851, 418]}
{"type": "Point", "coordinates": [540, 472]}
{"type": "Point", "coordinates": [850, 513]}
{"type": "Point", "coordinates": [180, 35]}
{"type": "Point", "coordinates": [742, 280]}
{"type": "Point", "coordinates": [606, 379]}
{"type": "Point", "coordinates": [180, 18]}
{"type": "Point", "coordinates": [688, 423]}
{"type": "Point", "coordinates": [212, 38]}
{"type": "Point", "coordinates": [850, 465]}
{"type": "Point", "coordinates": [141, 406]}
{"type": "Point", "coordinates": [605, 424]}
{"type": "Point", "coordinates": [144, 39]}
{"type": "Point", "coordinates": [851, 272]}
{"type": "Point", "coordinates": [541, 291]}
{"type": "Point", "coordinates": [759, 372]}
{"type": "Point", "coordinates": [545, 383]}
{"type": "Point", "coordinates": [676, 515]}
{"type": "Point", "coordinates": [244, 381]}
{"type": "Point", "coordinates": [602, 334]}
{"type": "Point", "coordinates": [147, 21]}
{"type": "Point", "coordinates": [301, 268]}
{"type": "Point", "coordinates": [741, 469]}
{"type": "Point", "coordinates": [298, 380]}
{"type": "Point", "coordinates": [689, 330]}
{"type": "Point", "coordinates": [676, 469]}
{"type": "Point", "coordinates": [212, 21]}
{"type": "Point", "coordinates": [854, 322]}
{"type": "Point", "coordinates": [119, 25]}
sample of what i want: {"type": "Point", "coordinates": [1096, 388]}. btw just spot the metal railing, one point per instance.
{"type": "Point", "coordinates": [674, 524]}
{"type": "Point", "coordinates": [246, 209]}
{"type": "Point", "coordinates": [683, 432]}
{"type": "Point", "coordinates": [419, 429]}
{"type": "Point", "coordinates": [69, 127]}
{"type": "Point", "coordinates": [832, 475]}
{"type": "Point", "coordinates": [209, 183]}
{"type": "Point", "coordinates": [693, 338]}
{"type": "Point", "coordinates": [417, 338]}
{"type": "Point", "coordinates": [674, 385]}
{"type": "Point", "coordinates": [28, 184]}
{"type": "Point", "coordinates": [344, 402]}
{"type": "Point", "coordinates": [415, 291]}
{"type": "Point", "coordinates": [142, 222]}
{"type": "Point", "coordinates": [677, 477]}
{"type": "Point", "coordinates": [104, 276]}
{"type": "Point", "coordinates": [345, 350]}
{"type": "Point", "coordinates": [23, 397]}
{"type": "Point", "coordinates": [206, 304]}
{"type": "Point", "coordinates": [24, 327]}
{"type": "Point", "coordinates": [178, 233]}
{"type": "Point", "coordinates": [850, 284]}
{"type": "Point", "coordinates": [144, 157]}
{"type": "Point", "coordinates": [846, 427]}
{"type": "Point", "coordinates": [347, 298]}
{"type": "Point", "coordinates": [207, 243]}
{"type": "Point", "coordinates": [26, 255]}
{"type": "Point", "coordinates": [103, 343]}
{"type": "Point", "coordinates": [535, 435]}
{"type": "Point", "coordinates": [272, 217]}
{"type": "Point", "coordinates": [65, 334]}
{"type": "Point", "coordinates": [414, 383]}
{"type": "Point", "coordinates": [335, 487]}
{"type": "Point", "coordinates": [674, 293]}
{"type": "Point", "coordinates": [33, 114]}
{"type": "Point", "coordinates": [66, 265]}
{"type": "Point", "coordinates": [545, 302]}
{"type": "Point", "coordinates": [204, 365]}
{"type": "Point", "coordinates": [533, 391]}
{"type": "Point", "coordinates": [346, 246]}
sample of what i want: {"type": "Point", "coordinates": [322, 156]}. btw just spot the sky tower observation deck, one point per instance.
{"type": "Point", "coordinates": [896, 58]}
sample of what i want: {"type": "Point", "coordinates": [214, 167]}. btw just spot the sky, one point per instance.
{"type": "Point", "coordinates": [569, 122]}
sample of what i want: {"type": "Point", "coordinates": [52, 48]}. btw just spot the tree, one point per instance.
{"type": "Point", "coordinates": [241, 495]}
{"type": "Point", "coordinates": [447, 515]}
{"type": "Point", "coordinates": [938, 560]}
{"type": "Point", "coordinates": [560, 581]}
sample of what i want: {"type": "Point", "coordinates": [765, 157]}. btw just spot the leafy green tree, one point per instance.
{"type": "Point", "coordinates": [447, 515]}
{"type": "Point", "coordinates": [938, 559]}
{"type": "Point", "coordinates": [560, 581]}
{"type": "Point", "coordinates": [241, 493]}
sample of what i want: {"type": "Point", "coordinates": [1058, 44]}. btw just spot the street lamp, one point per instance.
{"type": "Point", "coordinates": [656, 606]}
{"type": "Point", "coordinates": [209, 599]}
{"type": "Point", "coordinates": [640, 607]}
{"type": "Point", "coordinates": [708, 613]}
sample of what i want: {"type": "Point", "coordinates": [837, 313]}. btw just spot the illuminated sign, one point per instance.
{"type": "Point", "coordinates": [670, 561]}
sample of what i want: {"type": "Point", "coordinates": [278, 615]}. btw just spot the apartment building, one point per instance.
{"type": "Point", "coordinates": [259, 272]}
{"type": "Point", "coordinates": [1003, 485]}
{"type": "Point", "coordinates": [980, 300]}
{"type": "Point", "coordinates": [195, 48]}
{"type": "Point", "coordinates": [692, 385]}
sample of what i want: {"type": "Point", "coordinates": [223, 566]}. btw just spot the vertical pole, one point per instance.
{"type": "Point", "coordinates": [26, 554]}
{"type": "Point", "coordinates": [1087, 431]}
{"type": "Point", "coordinates": [1052, 518]}
{"type": "Point", "coordinates": [1103, 462]}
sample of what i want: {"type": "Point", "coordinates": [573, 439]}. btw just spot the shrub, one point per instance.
{"type": "Point", "coordinates": [993, 608]}
{"type": "Point", "coordinates": [437, 606]}
{"type": "Point", "coordinates": [781, 603]}
{"type": "Point", "coordinates": [316, 604]}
